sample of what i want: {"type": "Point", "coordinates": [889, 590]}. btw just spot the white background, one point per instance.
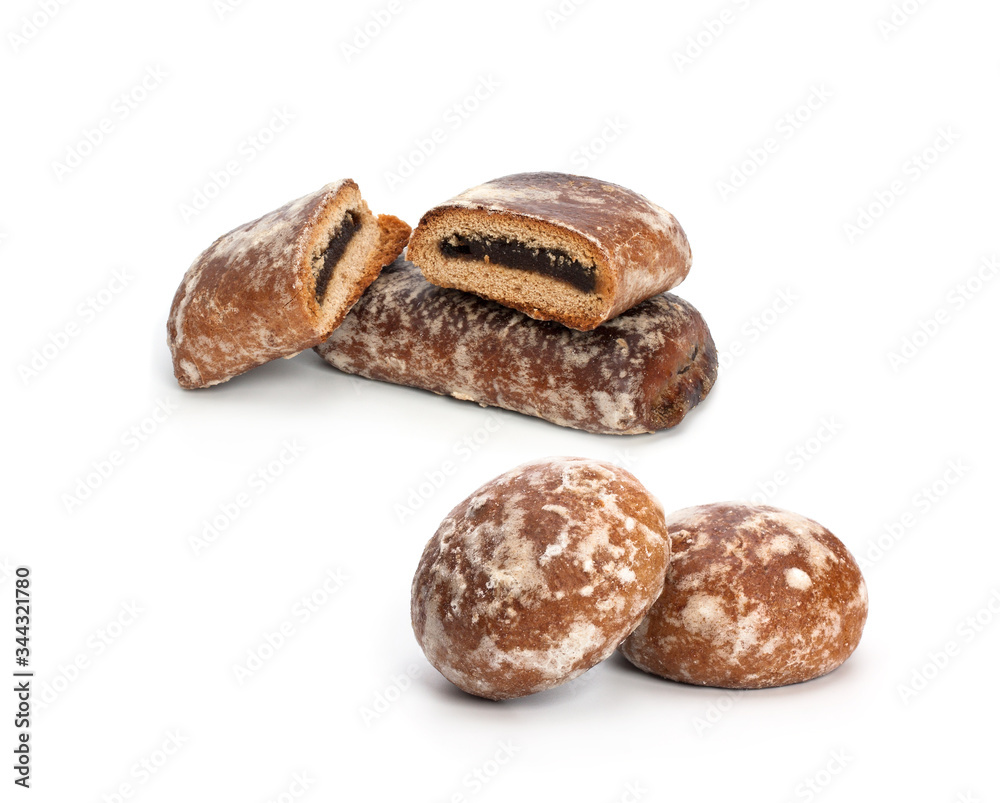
{"type": "Point", "coordinates": [605, 76]}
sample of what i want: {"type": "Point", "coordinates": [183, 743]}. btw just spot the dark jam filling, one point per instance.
{"type": "Point", "coordinates": [334, 252]}
{"type": "Point", "coordinates": [511, 254]}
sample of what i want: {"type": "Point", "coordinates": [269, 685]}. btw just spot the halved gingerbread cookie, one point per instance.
{"type": "Point", "coordinates": [556, 247]}
{"type": "Point", "coordinates": [279, 284]}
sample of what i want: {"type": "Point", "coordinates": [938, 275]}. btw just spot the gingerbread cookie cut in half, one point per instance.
{"type": "Point", "coordinates": [279, 284]}
{"type": "Point", "coordinates": [556, 247]}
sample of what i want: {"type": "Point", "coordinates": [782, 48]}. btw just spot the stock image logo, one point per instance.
{"type": "Point", "coordinates": [122, 108]}
{"type": "Point", "coordinates": [786, 127]}
{"type": "Point", "coordinates": [934, 323]}
{"type": "Point", "coordinates": [96, 645]}
{"type": "Point", "coordinates": [107, 466]}
{"type": "Point", "coordinates": [437, 477]}
{"type": "Point", "coordinates": [913, 169]}
{"type": "Point", "coordinates": [227, 513]}
{"type": "Point", "coordinates": [454, 118]}
{"type": "Point", "coordinates": [302, 611]}
{"type": "Point", "coordinates": [940, 659]}
{"type": "Point", "coordinates": [368, 31]}
{"type": "Point", "coordinates": [246, 152]}
{"type": "Point", "coordinates": [146, 768]}
{"type": "Point", "coordinates": [34, 23]}
{"type": "Point", "coordinates": [85, 313]}
{"type": "Point", "coordinates": [756, 326]}
{"type": "Point", "coordinates": [708, 34]}
{"type": "Point", "coordinates": [921, 503]}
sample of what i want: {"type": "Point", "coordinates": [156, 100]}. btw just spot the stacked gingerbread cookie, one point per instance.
{"type": "Point", "coordinates": [542, 293]}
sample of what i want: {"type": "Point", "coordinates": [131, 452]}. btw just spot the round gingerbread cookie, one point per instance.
{"type": "Point", "coordinates": [538, 576]}
{"type": "Point", "coordinates": [755, 597]}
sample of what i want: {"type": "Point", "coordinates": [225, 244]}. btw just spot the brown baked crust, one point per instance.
{"type": "Point", "coordinates": [394, 238]}
{"type": "Point", "coordinates": [755, 597]}
{"type": "Point", "coordinates": [538, 576]}
{"type": "Point", "coordinates": [250, 297]}
{"type": "Point", "coordinates": [640, 372]}
{"type": "Point", "coordinates": [638, 248]}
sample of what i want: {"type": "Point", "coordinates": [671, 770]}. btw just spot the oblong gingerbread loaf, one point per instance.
{"type": "Point", "coordinates": [278, 284]}
{"type": "Point", "coordinates": [555, 246]}
{"type": "Point", "coordinates": [640, 372]}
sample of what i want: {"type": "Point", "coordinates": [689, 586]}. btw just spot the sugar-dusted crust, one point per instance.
{"type": "Point", "coordinates": [641, 372]}
{"type": "Point", "coordinates": [538, 576]}
{"type": "Point", "coordinates": [755, 597]}
{"type": "Point", "coordinates": [250, 297]}
{"type": "Point", "coordinates": [637, 248]}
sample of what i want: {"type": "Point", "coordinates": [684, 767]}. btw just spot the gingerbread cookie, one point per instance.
{"type": "Point", "coordinates": [279, 284]}
{"type": "Point", "coordinates": [641, 372]}
{"type": "Point", "coordinates": [538, 576]}
{"type": "Point", "coordinates": [755, 597]}
{"type": "Point", "coordinates": [556, 247]}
